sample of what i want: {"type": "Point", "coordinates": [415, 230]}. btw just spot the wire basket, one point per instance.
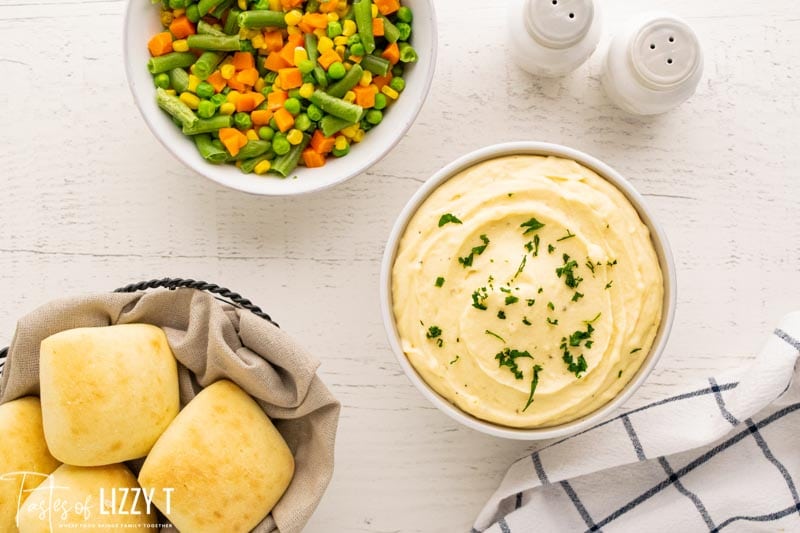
{"type": "Point", "coordinates": [220, 293]}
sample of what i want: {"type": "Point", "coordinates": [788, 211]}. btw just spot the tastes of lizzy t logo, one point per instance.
{"type": "Point", "coordinates": [56, 504]}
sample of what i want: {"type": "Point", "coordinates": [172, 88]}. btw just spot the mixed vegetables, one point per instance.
{"type": "Point", "coordinates": [270, 84]}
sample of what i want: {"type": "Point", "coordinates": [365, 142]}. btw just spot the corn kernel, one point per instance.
{"type": "Point", "coordinates": [260, 84]}
{"type": "Point", "coordinates": [180, 45]}
{"type": "Point", "coordinates": [293, 30]}
{"type": "Point", "coordinates": [340, 40]}
{"type": "Point", "coordinates": [275, 5]}
{"type": "Point", "coordinates": [251, 135]}
{"type": "Point", "coordinates": [194, 81]}
{"type": "Point", "coordinates": [347, 66]}
{"type": "Point", "coordinates": [190, 100]}
{"type": "Point", "coordinates": [366, 79]}
{"type": "Point", "coordinates": [325, 44]}
{"type": "Point", "coordinates": [227, 71]}
{"type": "Point", "coordinates": [333, 17]}
{"type": "Point", "coordinates": [276, 86]}
{"type": "Point", "coordinates": [349, 96]}
{"type": "Point", "coordinates": [242, 4]}
{"type": "Point", "coordinates": [349, 131]}
{"type": "Point", "coordinates": [359, 136]}
{"type": "Point", "coordinates": [341, 50]}
{"type": "Point", "coordinates": [227, 108]}
{"type": "Point", "coordinates": [262, 167]}
{"type": "Point", "coordinates": [391, 93]}
{"type": "Point", "coordinates": [374, 11]}
{"type": "Point", "coordinates": [233, 96]}
{"type": "Point", "coordinates": [300, 55]}
{"type": "Point", "coordinates": [320, 33]}
{"type": "Point", "coordinates": [166, 18]}
{"type": "Point", "coordinates": [179, 12]}
{"type": "Point", "coordinates": [294, 137]}
{"type": "Point", "coordinates": [306, 90]}
{"type": "Point", "coordinates": [348, 28]}
{"type": "Point", "coordinates": [293, 17]}
{"type": "Point", "coordinates": [341, 142]}
{"type": "Point", "coordinates": [171, 92]}
{"type": "Point", "coordinates": [258, 41]}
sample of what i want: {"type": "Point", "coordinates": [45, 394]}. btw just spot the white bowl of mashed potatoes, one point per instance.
{"type": "Point", "coordinates": [527, 290]}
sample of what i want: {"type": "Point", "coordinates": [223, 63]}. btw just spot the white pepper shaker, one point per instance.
{"type": "Point", "coordinates": [553, 37]}
{"type": "Point", "coordinates": [653, 65]}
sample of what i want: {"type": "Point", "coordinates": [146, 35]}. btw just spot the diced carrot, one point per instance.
{"type": "Point", "coordinates": [328, 58]}
{"type": "Point", "coordinates": [217, 81]}
{"type": "Point", "coordinates": [290, 4]}
{"type": "Point", "coordinates": [160, 44]}
{"type": "Point", "coordinates": [275, 62]}
{"type": "Point", "coordinates": [328, 6]}
{"type": "Point", "coordinates": [233, 140]}
{"type": "Point", "coordinates": [305, 28]}
{"type": "Point", "coordinates": [236, 85]}
{"type": "Point", "coordinates": [283, 119]}
{"type": "Point", "coordinates": [287, 52]}
{"type": "Point", "coordinates": [377, 27]}
{"type": "Point", "coordinates": [316, 20]}
{"type": "Point", "coordinates": [245, 103]}
{"type": "Point", "coordinates": [259, 98]}
{"type": "Point", "coordinates": [182, 27]}
{"type": "Point", "coordinates": [313, 159]}
{"type": "Point", "coordinates": [322, 144]}
{"type": "Point", "coordinates": [260, 117]}
{"type": "Point", "coordinates": [392, 53]}
{"type": "Point", "coordinates": [276, 99]}
{"type": "Point", "coordinates": [273, 40]}
{"type": "Point", "coordinates": [387, 6]}
{"type": "Point", "coordinates": [243, 61]}
{"type": "Point", "coordinates": [365, 96]}
{"type": "Point", "coordinates": [247, 77]}
{"type": "Point", "coordinates": [381, 81]}
{"type": "Point", "coordinates": [290, 78]}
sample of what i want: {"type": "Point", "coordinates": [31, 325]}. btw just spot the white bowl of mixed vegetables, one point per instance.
{"type": "Point", "coordinates": [279, 97]}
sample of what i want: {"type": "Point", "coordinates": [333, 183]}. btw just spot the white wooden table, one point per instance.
{"type": "Point", "coordinates": [90, 201]}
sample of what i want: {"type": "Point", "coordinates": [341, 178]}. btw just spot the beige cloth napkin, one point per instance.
{"type": "Point", "coordinates": [211, 341]}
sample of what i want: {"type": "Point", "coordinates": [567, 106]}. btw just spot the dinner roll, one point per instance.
{"type": "Point", "coordinates": [107, 393]}
{"type": "Point", "coordinates": [101, 498]}
{"type": "Point", "coordinates": [24, 459]}
{"type": "Point", "coordinates": [226, 462]}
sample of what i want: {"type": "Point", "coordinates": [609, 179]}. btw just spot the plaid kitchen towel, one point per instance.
{"type": "Point", "coordinates": [724, 455]}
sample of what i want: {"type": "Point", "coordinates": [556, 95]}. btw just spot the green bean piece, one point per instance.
{"type": "Point", "coordinates": [311, 47]}
{"type": "Point", "coordinates": [350, 14]}
{"type": "Point", "coordinates": [350, 80]}
{"type": "Point", "coordinates": [377, 65]}
{"type": "Point", "coordinates": [390, 31]}
{"type": "Point", "coordinates": [208, 125]}
{"type": "Point", "coordinates": [177, 109]}
{"type": "Point", "coordinates": [253, 149]}
{"type": "Point", "coordinates": [159, 64]}
{"type": "Point", "coordinates": [177, 4]}
{"type": "Point", "coordinates": [249, 165]}
{"type": "Point", "coordinates": [208, 150]}
{"type": "Point", "coordinates": [405, 30]}
{"type": "Point", "coordinates": [330, 125]}
{"type": "Point", "coordinates": [336, 106]}
{"type": "Point", "coordinates": [205, 28]}
{"type": "Point", "coordinates": [193, 13]}
{"type": "Point", "coordinates": [314, 113]}
{"type": "Point", "coordinates": [229, 43]}
{"type": "Point", "coordinates": [221, 7]}
{"type": "Point", "coordinates": [363, 14]}
{"type": "Point", "coordinates": [179, 79]}
{"type": "Point", "coordinates": [206, 63]}
{"type": "Point", "coordinates": [320, 76]}
{"type": "Point", "coordinates": [285, 164]}
{"type": "Point", "coordinates": [312, 6]}
{"type": "Point", "coordinates": [404, 14]}
{"type": "Point", "coordinates": [407, 53]}
{"type": "Point", "coordinates": [162, 80]}
{"type": "Point", "coordinates": [263, 18]}
{"type": "Point", "coordinates": [231, 26]}
{"type": "Point", "coordinates": [205, 6]}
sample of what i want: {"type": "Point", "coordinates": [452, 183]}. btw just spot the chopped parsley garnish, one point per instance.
{"type": "Point", "coordinates": [577, 296]}
{"type": "Point", "coordinates": [550, 248]}
{"type": "Point", "coordinates": [508, 357]}
{"type": "Point", "coordinates": [532, 225]}
{"type": "Point", "coordinates": [455, 360]}
{"type": "Point", "coordinates": [433, 332]}
{"type": "Point", "coordinates": [612, 263]}
{"type": "Point", "coordinates": [550, 306]}
{"type": "Point", "coordinates": [575, 368]}
{"type": "Point", "coordinates": [530, 302]}
{"type": "Point", "coordinates": [540, 291]}
{"type": "Point", "coordinates": [636, 350]}
{"type": "Point", "coordinates": [448, 218]}
{"type": "Point", "coordinates": [568, 271]}
{"type": "Point", "coordinates": [529, 246]}
{"type": "Point", "coordinates": [574, 341]}
{"type": "Point", "coordinates": [521, 267]}
{"type": "Point", "coordinates": [592, 321]}
{"type": "Point", "coordinates": [526, 321]}
{"type": "Point", "coordinates": [590, 265]}
{"type": "Point", "coordinates": [439, 281]}
{"type": "Point", "coordinates": [552, 322]}
{"type": "Point", "coordinates": [579, 336]}
{"type": "Point", "coordinates": [501, 315]}
{"type": "Point", "coordinates": [511, 299]}
{"type": "Point", "coordinates": [477, 250]}
{"type": "Point", "coordinates": [479, 297]}
{"type": "Point", "coordinates": [534, 382]}
{"type": "Point", "coordinates": [569, 235]}
{"type": "Point", "coordinates": [533, 246]}
{"type": "Point", "coordinates": [619, 375]}
{"type": "Point", "coordinates": [493, 334]}
{"type": "Point", "coordinates": [609, 284]}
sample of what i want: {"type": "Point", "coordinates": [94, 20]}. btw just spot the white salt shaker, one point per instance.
{"type": "Point", "coordinates": [653, 65]}
{"type": "Point", "coordinates": [553, 37]}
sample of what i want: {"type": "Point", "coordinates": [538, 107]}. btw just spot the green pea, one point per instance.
{"type": "Point", "coordinates": [374, 116]}
{"type": "Point", "coordinates": [354, 39]}
{"type": "Point", "coordinates": [161, 80]}
{"type": "Point", "coordinates": [405, 31]}
{"type": "Point", "coordinates": [280, 145]}
{"type": "Point", "coordinates": [380, 101]}
{"type": "Point", "coordinates": [242, 121]}
{"type": "Point", "coordinates": [306, 66]}
{"type": "Point", "coordinates": [266, 90]}
{"type": "Point", "coordinates": [404, 14]}
{"type": "Point", "coordinates": [292, 105]}
{"type": "Point", "coordinates": [218, 99]}
{"type": "Point", "coordinates": [337, 71]}
{"type": "Point", "coordinates": [398, 69]}
{"type": "Point", "coordinates": [398, 84]}
{"type": "Point", "coordinates": [273, 124]}
{"type": "Point", "coordinates": [358, 50]}
{"type": "Point", "coordinates": [295, 93]}
{"type": "Point", "coordinates": [193, 13]}
{"type": "Point", "coordinates": [247, 46]}
{"type": "Point", "coordinates": [265, 133]}
{"type": "Point", "coordinates": [334, 29]}
{"type": "Point", "coordinates": [302, 122]}
{"type": "Point", "coordinates": [341, 153]}
{"type": "Point", "coordinates": [314, 113]}
{"type": "Point", "coordinates": [205, 90]}
{"type": "Point", "coordinates": [206, 109]}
